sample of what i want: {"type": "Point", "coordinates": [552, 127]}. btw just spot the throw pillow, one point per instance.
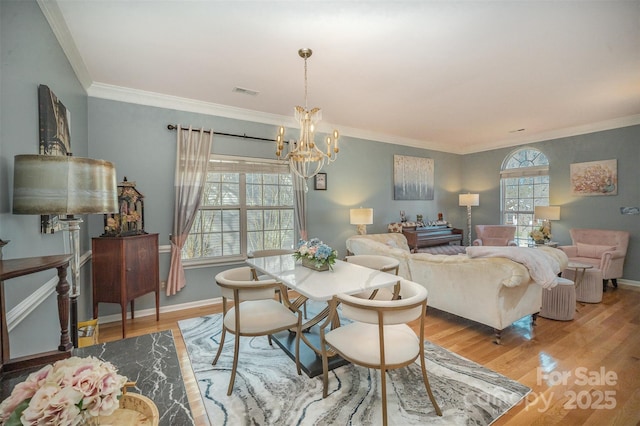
{"type": "Point", "coordinates": [591, 250]}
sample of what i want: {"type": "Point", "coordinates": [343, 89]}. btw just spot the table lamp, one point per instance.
{"type": "Point", "coordinates": [469, 200]}
{"type": "Point", "coordinates": [59, 185]}
{"type": "Point", "coordinates": [546, 214]}
{"type": "Point", "coordinates": [361, 218]}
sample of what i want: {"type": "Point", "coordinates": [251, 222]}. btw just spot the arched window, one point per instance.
{"type": "Point", "coordinates": [524, 181]}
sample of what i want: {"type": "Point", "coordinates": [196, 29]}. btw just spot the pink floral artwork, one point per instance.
{"type": "Point", "coordinates": [594, 178]}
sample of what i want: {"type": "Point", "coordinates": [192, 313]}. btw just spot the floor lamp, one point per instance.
{"type": "Point", "coordinates": [64, 185]}
{"type": "Point", "coordinates": [469, 200]}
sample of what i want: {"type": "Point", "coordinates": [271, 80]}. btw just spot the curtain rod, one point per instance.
{"type": "Point", "coordinates": [175, 127]}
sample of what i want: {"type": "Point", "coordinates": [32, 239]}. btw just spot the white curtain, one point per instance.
{"type": "Point", "coordinates": [192, 158]}
{"type": "Point", "coordinates": [300, 191]}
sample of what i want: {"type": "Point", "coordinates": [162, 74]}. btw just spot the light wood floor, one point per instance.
{"type": "Point", "coordinates": [602, 338]}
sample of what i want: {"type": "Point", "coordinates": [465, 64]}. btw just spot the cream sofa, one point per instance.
{"type": "Point", "coordinates": [492, 291]}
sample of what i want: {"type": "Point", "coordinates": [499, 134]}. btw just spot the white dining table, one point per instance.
{"type": "Point", "coordinates": [319, 286]}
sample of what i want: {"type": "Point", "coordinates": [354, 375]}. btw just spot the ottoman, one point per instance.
{"type": "Point", "coordinates": [559, 302]}
{"type": "Point", "coordinates": [588, 286]}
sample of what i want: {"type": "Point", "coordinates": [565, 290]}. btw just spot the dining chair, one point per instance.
{"type": "Point", "coordinates": [378, 337]}
{"type": "Point", "coordinates": [273, 252]}
{"type": "Point", "coordinates": [380, 263]}
{"type": "Point", "coordinates": [255, 312]}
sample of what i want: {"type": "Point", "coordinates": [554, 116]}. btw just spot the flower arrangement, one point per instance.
{"type": "Point", "coordinates": [316, 252]}
{"type": "Point", "coordinates": [541, 234]}
{"type": "Point", "coordinates": [66, 393]}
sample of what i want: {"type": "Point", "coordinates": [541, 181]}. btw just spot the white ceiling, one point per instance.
{"type": "Point", "coordinates": [454, 76]}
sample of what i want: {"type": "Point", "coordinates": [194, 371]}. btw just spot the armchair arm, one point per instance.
{"type": "Point", "coordinates": [570, 251]}
{"type": "Point", "coordinates": [611, 263]}
{"type": "Point", "coordinates": [512, 243]}
{"type": "Point", "coordinates": [477, 242]}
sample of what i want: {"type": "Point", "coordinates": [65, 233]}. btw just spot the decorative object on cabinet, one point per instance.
{"type": "Point", "coordinates": [594, 178]}
{"type": "Point", "coordinates": [361, 218]}
{"type": "Point", "coordinates": [412, 178]}
{"type": "Point", "coordinates": [469, 200]}
{"type": "Point", "coordinates": [49, 184]}
{"type": "Point", "coordinates": [125, 268]}
{"type": "Point", "coordinates": [130, 217]}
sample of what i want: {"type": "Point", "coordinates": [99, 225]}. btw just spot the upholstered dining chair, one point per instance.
{"type": "Point", "coordinates": [378, 337]}
{"type": "Point", "coordinates": [380, 263]}
{"type": "Point", "coordinates": [255, 312]}
{"type": "Point", "coordinates": [495, 235]}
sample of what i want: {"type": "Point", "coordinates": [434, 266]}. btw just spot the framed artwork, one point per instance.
{"type": "Point", "coordinates": [320, 182]}
{"type": "Point", "coordinates": [412, 178]}
{"type": "Point", "coordinates": [594, 178]}
{"type": "Point", "coordinates": [55, 139]}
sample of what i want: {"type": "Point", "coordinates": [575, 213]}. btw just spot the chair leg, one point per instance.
{"type": "Point", "coordinates": [425, 379]}
{"type": "Point", "coordinates": [383, 391]}
{"type": "Point", "coordinates": [236, 349]}
{"type": "Point", "coordinates": [604, 285]}
{"type": "Point", "coordinates": [325, 373]}
{"type": "Point", "coordinates": [224, 333]}
{"type": "Point", "coordinates": [614, 281]}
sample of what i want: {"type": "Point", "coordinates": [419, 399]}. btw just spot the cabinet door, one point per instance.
{"type": "Point", "coordinates": [107, 270]}
{"type": "Point", "coordinates": [141, 258]}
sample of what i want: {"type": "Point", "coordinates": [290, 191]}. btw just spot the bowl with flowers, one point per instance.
{"type": "Point", "coordinates": [72, 391]}
{"type": "Point", "coordinates": [541, 235]}
{"type": "Point", "coordinates": [315, 254]}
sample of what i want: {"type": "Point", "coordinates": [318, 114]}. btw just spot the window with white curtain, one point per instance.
{"type": "Point", "coordinates": [247, 205]}
{"type": "Point", "coordinates": [524, 180]}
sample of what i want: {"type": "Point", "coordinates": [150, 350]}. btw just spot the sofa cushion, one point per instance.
{"type": "Point", "coordinates": [591, 250]}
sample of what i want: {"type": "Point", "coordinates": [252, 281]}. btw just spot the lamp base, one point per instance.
{"type": "Point", "coordinates": [362, 229]}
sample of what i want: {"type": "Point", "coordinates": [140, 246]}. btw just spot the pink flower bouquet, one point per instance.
{"type": "Point", "coordinates": [65, 393]}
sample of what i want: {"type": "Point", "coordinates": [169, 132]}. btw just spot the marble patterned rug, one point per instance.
{"type": "Point", "coordinates": [268, 391]}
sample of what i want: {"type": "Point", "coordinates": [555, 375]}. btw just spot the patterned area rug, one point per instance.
{"type": "Point", "coordinates": [268, 390]}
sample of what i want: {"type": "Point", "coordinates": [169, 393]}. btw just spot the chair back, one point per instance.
{"type": "Point", "coordinates": [241, 279]}
{"type": "Point", "coordinates": [374, 261]}
{"type": "Point", "coordinates": [269, 252]}
{"type": "Point", "coordinates": [387, 312]}
{"type": "Point", "coordinates": [495, 235]}
{"type": "Point", "coordinates": [601, 237]}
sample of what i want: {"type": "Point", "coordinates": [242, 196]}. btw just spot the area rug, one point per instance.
{"type": "Point", "coordinates": [268, 391]}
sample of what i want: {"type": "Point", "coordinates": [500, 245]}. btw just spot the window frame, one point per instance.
{"type": "Point", "coordinates": [539, 168]}
{"type": "Point", "coordinates": [241, 165]}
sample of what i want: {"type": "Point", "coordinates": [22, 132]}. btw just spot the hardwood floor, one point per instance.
{"type": "Point", "coordinates": [593, 361]}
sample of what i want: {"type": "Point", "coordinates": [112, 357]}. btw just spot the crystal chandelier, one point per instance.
{"type": "Point", "coordinates": [304, 156]}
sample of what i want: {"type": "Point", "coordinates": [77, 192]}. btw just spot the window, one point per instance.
{"type": "Point", "coordinates": [247, 205]}
{"type": "Point", "coordinates": [525, 184]}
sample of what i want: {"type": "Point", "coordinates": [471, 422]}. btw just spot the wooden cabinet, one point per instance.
{"type": "Point", "coordinates": [432, 236]}
{"type": "Point", "coordinates": [125, 268]}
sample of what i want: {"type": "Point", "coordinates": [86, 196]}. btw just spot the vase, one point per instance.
{"type": "Point", "coordinates": [311, 264]}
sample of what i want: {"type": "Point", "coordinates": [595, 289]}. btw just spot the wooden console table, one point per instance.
{"type": "Point", "coordinates": [432, 236]}
{"type": "Point", "coordinates": [13, 268]}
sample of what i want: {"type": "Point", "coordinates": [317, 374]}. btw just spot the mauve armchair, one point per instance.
{"type": "Point", "coordinates": [495, 235]}
{"type": "Point", "coordinates": [602, 248]}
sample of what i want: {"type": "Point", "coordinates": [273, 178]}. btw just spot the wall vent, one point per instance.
{"type": "Point", "coordinates": [244, 91]}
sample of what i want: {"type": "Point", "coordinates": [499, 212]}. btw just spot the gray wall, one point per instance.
{"type": "Point", "coordinates": [481, 174]}
{"type": "Point", "coordinates": [136, 139]}
{"type": "Point", "coordinates": [30, 55]}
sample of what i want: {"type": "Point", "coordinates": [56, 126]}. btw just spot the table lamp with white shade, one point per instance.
{"type": "Point", "coordinates": [546, 214]}
{"type": "Point", "coordinates": [65, 185]}
{"type": "Point", "coordinates": [361, 218]}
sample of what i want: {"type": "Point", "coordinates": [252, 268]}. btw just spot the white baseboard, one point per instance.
{"type": "Point", "coordinates": [629, 284]}
{"type": "Point", "coordinates": [163, 309]}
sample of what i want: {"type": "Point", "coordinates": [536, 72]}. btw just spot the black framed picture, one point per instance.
{"type": "Point", "coordinates": [320, 182]}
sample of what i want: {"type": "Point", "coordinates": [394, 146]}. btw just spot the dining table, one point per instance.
{"type": "Point", "coordinates": [317, 286]}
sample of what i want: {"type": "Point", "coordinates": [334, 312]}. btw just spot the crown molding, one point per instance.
{"type": "Point", "coordinates": [58, 25]}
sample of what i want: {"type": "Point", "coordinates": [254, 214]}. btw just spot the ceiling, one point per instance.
{"type": "Point", "coordinates": [453, 76]}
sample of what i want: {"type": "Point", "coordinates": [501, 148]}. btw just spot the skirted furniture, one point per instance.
{"type": "Point", "coordinates": [492, 291]}
{"type": "Point", "coordinates": [495, 235]}
{"type": "Point", "coordinates": [559, 302]}
{"type": "Point", "coordinates": [604, 249]}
